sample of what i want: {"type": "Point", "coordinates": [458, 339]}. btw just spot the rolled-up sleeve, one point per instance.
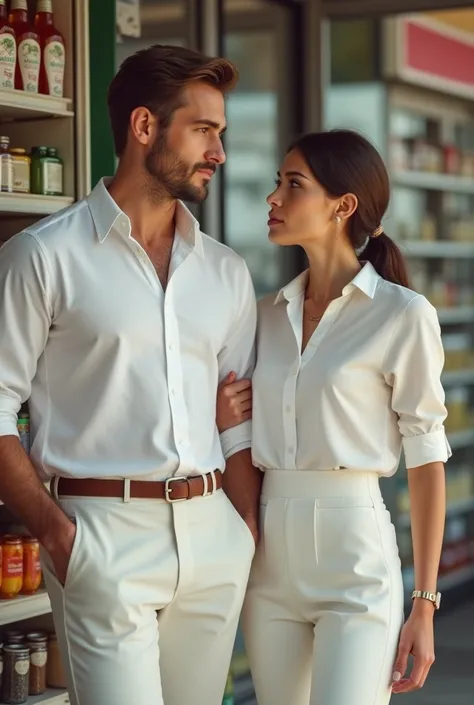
{"type": "Point", "coordinates": [25, 319]}
{"type": "Point", "coordinates": [412, 367]}
{"type": "Point", "coordinates": [238, 355]}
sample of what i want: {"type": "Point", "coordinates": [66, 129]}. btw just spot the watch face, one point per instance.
{"type": "Point", "coordinates": [438, 600]}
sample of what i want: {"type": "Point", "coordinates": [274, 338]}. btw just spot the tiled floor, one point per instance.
{"type": "Point", "coordinates": [451, 681]}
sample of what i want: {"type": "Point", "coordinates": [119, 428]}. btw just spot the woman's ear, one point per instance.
{"type": "Point", "coordinates": [347, 206]}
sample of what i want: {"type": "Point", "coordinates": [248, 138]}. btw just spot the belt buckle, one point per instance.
{"type": "Point", "coordinates": [168, 490]}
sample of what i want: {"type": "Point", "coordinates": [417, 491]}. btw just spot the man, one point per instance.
{"type": "Point", "coordinates": [118, 319]}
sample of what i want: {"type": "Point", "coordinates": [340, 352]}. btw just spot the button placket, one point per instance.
{"type": "Point", "coordinates": [179, 414]}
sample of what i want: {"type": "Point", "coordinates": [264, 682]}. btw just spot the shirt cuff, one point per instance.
{"type": "Point", "coordinates": [427, 448]}
{"type": "Point", "coordinates": [235, 439]}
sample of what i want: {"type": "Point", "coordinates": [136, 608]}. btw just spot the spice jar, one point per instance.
{"type": "Point", "coordinates": [46, 171]}
{"type": "Point", "coordinates": [55, 676]}
{"type": "Point", "coordinates": [13, 636]}
{"type": "Point", "coordinates": [21, 170]}
{"type": "Point", "coordinates": [38, 659]}
{"type": "Point", "coordinates": [15, 674]}
{"type": "Point", "coordinates": [6, 166]}
{"type": "Point", "coordinates": [12, 567]}
{"type": "Point", "coordinates": [32, 574]}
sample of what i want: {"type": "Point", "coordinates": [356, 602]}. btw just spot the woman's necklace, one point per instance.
{"type": "Point", "coordinates": [312, 317]}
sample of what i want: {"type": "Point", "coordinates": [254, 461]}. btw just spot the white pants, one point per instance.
{"type": "Point", "coordinates": [324, 606]}
{"type": "Point", "coordinates": [152, 598]}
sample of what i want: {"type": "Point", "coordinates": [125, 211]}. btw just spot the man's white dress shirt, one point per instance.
{"type": "Point", "coordinates": [366, 385]}
{"type": "Point", "coordinates": [121, 376]}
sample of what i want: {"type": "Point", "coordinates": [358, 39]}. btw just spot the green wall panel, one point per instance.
{"type": "Point", "coordinates": [102, 69]}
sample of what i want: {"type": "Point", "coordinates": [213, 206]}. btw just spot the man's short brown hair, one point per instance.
{"type": "Point", "coordinates": [154, 78]}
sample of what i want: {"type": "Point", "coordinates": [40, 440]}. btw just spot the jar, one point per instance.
{"type": "Point", "coordinates": [16, 663]}
{"type": "Point", "coordinates": [38, 659]}
{"type": "Point", "coordinates": [55, 676]}
{"type": "Point", "coordinates": [6, 166]}
{"type": "Point", "coordinates": [21, 170]}
{"type": "Point", "coordinates": [46, 171]}
{"type": "Point", "coordinates": [32, 574]}
{"type": "Point", "coordinates": [12, 567]}
{"type": "Point", "coordinates": [13, 636]}
{"type": "Point", "coordinates": [23, 425]}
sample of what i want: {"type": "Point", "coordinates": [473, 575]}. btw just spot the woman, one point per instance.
{"type": "Point", "coordinates": [348, 374]}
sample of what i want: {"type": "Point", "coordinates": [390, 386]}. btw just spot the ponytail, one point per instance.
{"type": "Point", "coordinates": [387, 259]}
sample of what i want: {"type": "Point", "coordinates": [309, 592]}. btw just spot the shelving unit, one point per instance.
{"type": "Point", "coordinates": [430, 151]}
{"type": "Point", "coordinates": [51, 697]}
{"type": "Point", "coordinates": [24, 607]}
{"type": "Point", "coordinates": [30, 120]}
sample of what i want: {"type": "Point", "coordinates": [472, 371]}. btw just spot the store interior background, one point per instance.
{"type": "Point", "coordinates": [407, 83]}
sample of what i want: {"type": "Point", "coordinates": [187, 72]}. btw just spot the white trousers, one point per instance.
{"type": "Point", "coordinates": [152, 598]}
{"type": "Point", "coordinates": [324, 606]}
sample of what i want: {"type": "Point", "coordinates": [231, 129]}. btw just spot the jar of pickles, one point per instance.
{"type": "Point", "coordinates": [16, 670]}
{"type": "Point", "coordinates": [32, 574]}
{"type": "Point", "coordinates": [46, 171]}
{"type": "Point", "coordinates": [12, 566]}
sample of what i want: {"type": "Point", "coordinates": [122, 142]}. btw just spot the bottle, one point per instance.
{"type": "Point", "coordinates": [23, 425]}
{"type": "Point", "coordinates": [28, 48]}
{"type": "Point", "coordinates": [7, 49]}
{"type": "Point", "coordinates": [6, 166]}
{"type": "Point", "coordinates": [229, 691]}
{"type": "Point", "coordinates": [12, 567]}
{"type": "Point", "coordinates": [21, 170]}
{"type": "Point", "coordinates": [46, 171]}
{"type": "Point", "coordinates": [53, 51]}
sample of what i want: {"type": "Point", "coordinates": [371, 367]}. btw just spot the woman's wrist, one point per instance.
{"type": "Point", "coordinates": [423, 607]}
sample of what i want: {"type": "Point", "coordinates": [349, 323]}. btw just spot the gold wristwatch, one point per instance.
{"type": "Point", "coordinates": [434, 597]}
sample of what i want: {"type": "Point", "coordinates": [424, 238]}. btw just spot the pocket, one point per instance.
{"type": "Point", "coordinates": [73, 559]}
{"type": "Point", "coordinates": [243, 525]}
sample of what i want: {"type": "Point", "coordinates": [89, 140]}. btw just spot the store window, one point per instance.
{"type": "Point", "coordinates": [257, 38]}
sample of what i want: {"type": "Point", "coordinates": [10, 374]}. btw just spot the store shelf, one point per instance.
{"type": "Point", "coordinates": [437, 249]}
{"type": "Point", "coordinates": [18, 105]}
{"type": "Point", "coordinates": [458, 377]}
{"type": "Point", "coordinates": [433, 181]}
{"type": "Point", "coordinates": [52, 696]}
{"type": "Point", "coordinates": [456, 314]}
{"type": "Point", "coordinates": [24, 607]}
{"type": "Point", "coordinates": [457, 577]}
{"type": "Point", "coordinates": [459, 507]}
{"type": "Point", "coordinates": [30, 203]}
{"type": "Point", "coordinates": [461, 439]}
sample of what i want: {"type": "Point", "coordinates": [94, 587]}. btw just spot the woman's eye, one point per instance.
{"type": "Point", "coordinates": [277, 183]}
{"type": "Point", "coordinates": [294, 184]}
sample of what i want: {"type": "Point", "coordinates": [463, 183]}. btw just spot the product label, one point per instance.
{"type": "Point", "coordinates": [13, 566]}
{"type": "Point", "coordinates": [7, 60]}
{"type": "Point", "coordinates": [39, 658]}
{"type": "Point", "coordinates": [21, 184]}
{"type": "Point", "coordinates": [53, 178]}
{"type": "Point", "coordinates": [22, 667]}
{"type": "Point", "coordinates": [54, 62]}
{"type": "Point", "coordinates": [6, 173]}
{"type": "Point", "coordinates": [29, 55]}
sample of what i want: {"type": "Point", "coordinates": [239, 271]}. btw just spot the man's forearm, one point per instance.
{"type": "Point", "coordinates": [24, 494]}
{"type": "Point", "coordinates": [243, 484]}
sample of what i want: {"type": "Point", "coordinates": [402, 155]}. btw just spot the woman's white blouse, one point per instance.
{"type": "Point", "coordinates": [367, 383]}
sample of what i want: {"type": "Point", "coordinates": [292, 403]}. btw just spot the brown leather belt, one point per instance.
{"type": "Point", "coordinates": [174, 489]}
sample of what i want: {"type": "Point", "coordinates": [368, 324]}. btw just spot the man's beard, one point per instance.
{"type": "Point", "coordinates": [171, 176]}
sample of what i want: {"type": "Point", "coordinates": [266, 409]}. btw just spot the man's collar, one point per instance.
{"type": "Point", "coordinates": [105, 214]}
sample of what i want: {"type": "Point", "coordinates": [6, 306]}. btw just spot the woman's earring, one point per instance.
{"type": "Point", "coordinates": [337, 219]}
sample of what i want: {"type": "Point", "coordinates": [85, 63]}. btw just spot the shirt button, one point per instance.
{"type": "Point", "coordinates": [173, 392]}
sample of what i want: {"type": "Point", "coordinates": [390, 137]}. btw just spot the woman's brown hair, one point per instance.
{"type": "Point", "coordinates": [154, 78]}
{"type": "Point", "coordinates": [345, 162]}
